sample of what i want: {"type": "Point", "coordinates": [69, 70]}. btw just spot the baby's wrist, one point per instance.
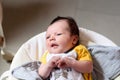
{"type": "Point", "coordinates": [50, 67]}
{"type": "Point", "coordinates": [72, 62]}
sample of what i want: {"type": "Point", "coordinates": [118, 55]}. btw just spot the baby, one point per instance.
{"type": "Point", "coordinates": [65, 58]}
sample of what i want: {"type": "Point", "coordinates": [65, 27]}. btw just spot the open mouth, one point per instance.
{"type": "Point", "coordinates": [54, 45]}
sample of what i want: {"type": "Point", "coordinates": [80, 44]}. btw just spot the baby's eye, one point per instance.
{"type": "Point", "coordinates": [47, 37]}
{"type": "Point", "coordinates": [59, 34]}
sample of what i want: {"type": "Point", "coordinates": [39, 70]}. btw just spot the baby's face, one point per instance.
{"type": "Point", "coordinates": [58, 37]}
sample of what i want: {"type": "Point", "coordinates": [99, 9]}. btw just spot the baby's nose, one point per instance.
{"type": "Point", "coordinates": [52, 37]}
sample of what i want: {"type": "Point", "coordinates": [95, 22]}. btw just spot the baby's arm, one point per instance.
{"type": "Point", "coordinates": [45, 69]}
{"type": "Point", "coordinates": [80, 66]}
{"type": "Point", "coordinates": [83, 66]}
{"type": "Point", "coordinates": [83, 63]}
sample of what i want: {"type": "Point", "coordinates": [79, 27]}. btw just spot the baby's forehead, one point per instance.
{"type": "Point", "coordinates": [58, 28]}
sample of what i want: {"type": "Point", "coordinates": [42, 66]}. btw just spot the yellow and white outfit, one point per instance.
{"type": "Point", "coordinates": [80, 53]}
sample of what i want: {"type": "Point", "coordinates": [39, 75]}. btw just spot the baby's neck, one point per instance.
{"type": "Point", "coordinates": [69, 50]}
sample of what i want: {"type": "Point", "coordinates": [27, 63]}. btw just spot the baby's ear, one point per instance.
{"type": "Point", "coordinates": [75, 39]}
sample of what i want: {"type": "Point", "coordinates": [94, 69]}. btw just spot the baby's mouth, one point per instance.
{"type": "Point", "coordinates": [54, 45]}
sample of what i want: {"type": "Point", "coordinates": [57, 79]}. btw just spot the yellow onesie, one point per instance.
{"type": "Point", "coordinates": [82, 54]}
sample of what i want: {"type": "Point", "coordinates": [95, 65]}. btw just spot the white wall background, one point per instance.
{"type": "Point", "coordinates": [23, 19]}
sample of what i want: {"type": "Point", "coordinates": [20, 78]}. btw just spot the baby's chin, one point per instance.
{"type": "Point", "coordinates": [56, 52]}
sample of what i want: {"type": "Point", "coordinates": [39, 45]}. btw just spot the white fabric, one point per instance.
{"type": "Point", "coordinates": [33, 49]}
{"type": "Point", "coordinates": [89, 37]}
{"type": "Point", "coordinates": [65, 74]}
{"type": "Point", "coordinates": [71, 54]}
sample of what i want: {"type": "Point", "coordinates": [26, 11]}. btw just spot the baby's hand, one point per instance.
{"type": "Point", "coordinates": [53, 61]}
{"type": "Point", "coordinates": [65, 62]}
